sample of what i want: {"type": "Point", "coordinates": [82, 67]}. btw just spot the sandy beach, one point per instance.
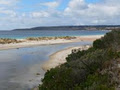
{"type": "Point", "coordinates": [59, 57]}
{"type": "Point", "coordinates": [27, 43]}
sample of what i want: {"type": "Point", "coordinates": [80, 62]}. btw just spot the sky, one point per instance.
{"type": "Point", "coordinates": [33, 13]}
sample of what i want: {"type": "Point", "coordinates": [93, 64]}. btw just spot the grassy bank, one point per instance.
{"type": "Point", "coordinates": [94, 69]}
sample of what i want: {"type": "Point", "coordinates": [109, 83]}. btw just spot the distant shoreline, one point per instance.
{"type": "Point", "coordinates": [80, 27]}
{"type": "Point", "coordinates": [28, 43]}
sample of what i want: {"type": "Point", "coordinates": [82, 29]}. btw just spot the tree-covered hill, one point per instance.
{"type": "Point", "coordinates": [97, 68]}
{"type": "Point", "coordinates": [81, 27]}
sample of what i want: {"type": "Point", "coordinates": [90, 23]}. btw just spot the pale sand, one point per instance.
{"type": "Point", "coordinates": [47, 42]}
{"type": "Point", "coordinates": [59, 57]}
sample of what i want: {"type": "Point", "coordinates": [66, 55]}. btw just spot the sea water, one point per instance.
{"type": "Point", "coordinates": [48, 33]}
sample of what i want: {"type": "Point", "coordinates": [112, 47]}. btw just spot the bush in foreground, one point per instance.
{"type": "Point", "coordinates": [87, 70]}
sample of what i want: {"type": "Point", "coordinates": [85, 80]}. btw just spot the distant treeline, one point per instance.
{"type": "Point", "coordinates": [94, 69]}
{"type": "Point", "coordinates": [86, 27]}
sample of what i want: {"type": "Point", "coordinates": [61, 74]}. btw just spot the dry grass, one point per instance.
{"type": "Point", "coordinates": [49, 38]}
{"type": "Point", "coordinates": [8, 41]}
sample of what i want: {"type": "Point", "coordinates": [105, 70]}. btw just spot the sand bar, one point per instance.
{"type": "Point", "coordinates": [27, 43]}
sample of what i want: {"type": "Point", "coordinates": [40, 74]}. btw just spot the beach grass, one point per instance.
{"type": "Point", "coordinates": [49, 38]}
{"type": "Point", "coordinates": [8, 41]}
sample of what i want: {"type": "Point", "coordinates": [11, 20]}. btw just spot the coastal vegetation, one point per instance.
{"type": "Point", "coordinates": [8, 41]}
{"type": "Point", "coordinates": [50, 38]}
{"type": "Point", "coordinates": [97, 68]}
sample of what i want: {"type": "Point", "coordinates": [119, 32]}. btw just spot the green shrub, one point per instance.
{"type": "Point", "coordinates": [82, 69]}
{"type": "Point", "coordinates": [98, 44]}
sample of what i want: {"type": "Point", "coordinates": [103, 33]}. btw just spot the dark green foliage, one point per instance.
{"type": "Point", "coordinates": [75, 72]}
{"type": "Point", "coordinates": [110, 40]}
{"type": "Point", "coordinates": [96, 82]}
{"type": "Point", "coordinates": [58, 76]}
{"type": "Point", "coordinates": [79, 54]}
{"type": "Point", "coordinates": [82, 69]}
{"type": "Point", "coordinates": [98, 44]}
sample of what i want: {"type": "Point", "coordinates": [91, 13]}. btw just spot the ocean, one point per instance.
{"type": "Point", "coordinates": [48, 33]}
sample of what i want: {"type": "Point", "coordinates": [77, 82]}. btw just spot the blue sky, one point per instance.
{"type": "Point", "coordinates": [92, 1]}
{"type": "Point", "coordinates": [31, 5]}
{"type": "Point", "coordinates": [31, 13]}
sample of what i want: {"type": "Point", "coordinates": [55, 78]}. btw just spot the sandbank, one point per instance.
{"type": "Point", "coordinates": [27, 43]}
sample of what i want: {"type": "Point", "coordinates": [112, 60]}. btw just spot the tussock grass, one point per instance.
{"type": "Point", "coordinates": [8, 41]}
{"type": "Point", "coordinates": [49, 38]}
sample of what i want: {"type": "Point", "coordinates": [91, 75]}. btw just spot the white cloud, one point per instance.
{"type": "Point", "coordinates": [40, 14]}
{"type": "Point", "coordinates": [7, 7]}
{"type": "Point", "coordinates": [50, 12]}
{"type": "Point", "coordinates": [8, 2]}
{"type": "Point", "coordinates": [94, 13]}
{"type": "Point", "coordinates": [7, 12]}
{"type": "Point", "coordinates": [51, 4]}
{"type": "Point", "coordinates": [77, 4]}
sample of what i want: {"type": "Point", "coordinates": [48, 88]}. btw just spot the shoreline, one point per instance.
{"type": "Point", "coordinates": [27, 43]}
{"type": "Point", "coordinates": [59, 57]}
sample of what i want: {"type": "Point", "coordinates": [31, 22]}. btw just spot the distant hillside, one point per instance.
{"type": "Point", "coordinates": [86, 27]}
